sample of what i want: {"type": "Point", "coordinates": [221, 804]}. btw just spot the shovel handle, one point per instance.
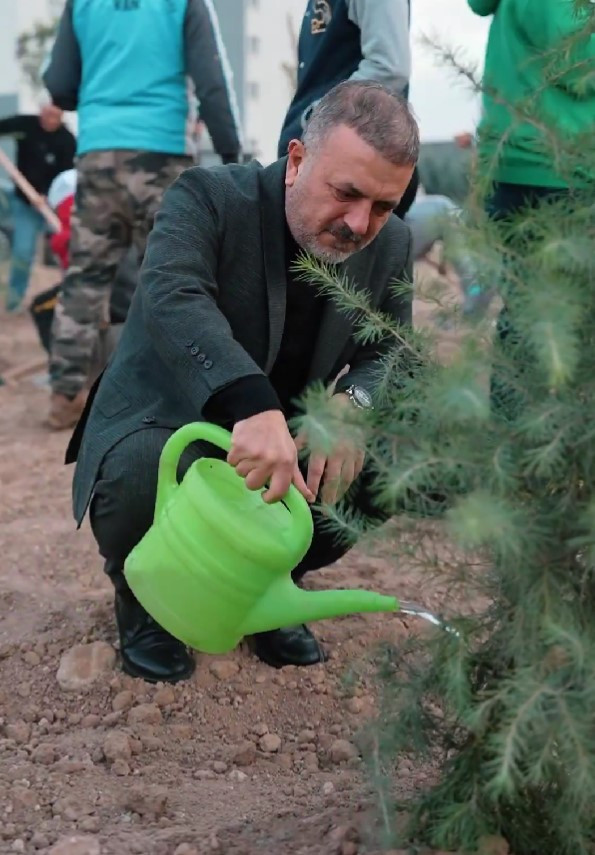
{"type": "Point", "coordinates": [167, 479]}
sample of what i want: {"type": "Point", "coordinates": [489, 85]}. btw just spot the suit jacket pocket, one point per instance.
{"type": "Point", "coordinates": [112, 400]}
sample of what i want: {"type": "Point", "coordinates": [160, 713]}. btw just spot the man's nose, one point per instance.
{"type": "Point", "coordinates": [358, 217]}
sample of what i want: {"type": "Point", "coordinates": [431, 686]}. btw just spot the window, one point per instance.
{"type": "Point", "coordinates": [253, 90]}
{"type": "Point", "coordinates": [253, 4]}
{"type": "Point", "coordinates": [254, 44]}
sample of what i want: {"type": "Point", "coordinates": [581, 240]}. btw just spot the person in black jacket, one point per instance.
{"type": "Point", "coordinates": [350, 40]}
{"type": "Point", "coordinates": [45, 147]}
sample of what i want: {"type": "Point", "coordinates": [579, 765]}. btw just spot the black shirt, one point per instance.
{"type": "Point", "coordinates": [256, 394]}
{"type": "Point", "coordinates": [41, 155]}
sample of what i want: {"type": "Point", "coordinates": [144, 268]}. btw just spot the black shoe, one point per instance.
{"type": "Point", "coordinates": [294, 645]}
{"type": "Point", "coordinates": [147, 650]}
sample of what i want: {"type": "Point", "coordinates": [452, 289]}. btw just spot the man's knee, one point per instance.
{"type": "Point", "coordinates": [123, 501]}
{"type": "Point", "coordinates": [123, 504]}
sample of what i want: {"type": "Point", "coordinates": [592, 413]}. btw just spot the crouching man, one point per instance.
{"type": "Point", "coordinates": [221, 330]}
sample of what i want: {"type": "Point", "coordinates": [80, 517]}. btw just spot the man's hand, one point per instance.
{"type": "Point", "coordinates": [263, 450]}
{"type": "Point", "coordinates": [338, 470]}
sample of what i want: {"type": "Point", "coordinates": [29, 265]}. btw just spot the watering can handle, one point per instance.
{"type": "Point", "coordinates": [167, 480]}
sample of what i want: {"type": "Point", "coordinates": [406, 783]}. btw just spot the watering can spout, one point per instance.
{"type": "Point", "coordinates": [284, 604]}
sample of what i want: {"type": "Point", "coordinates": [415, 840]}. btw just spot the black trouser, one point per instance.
{"type": "Point", "coordinates": [123, 503]}
{"type": "Point", "coordinates": [506, 201]}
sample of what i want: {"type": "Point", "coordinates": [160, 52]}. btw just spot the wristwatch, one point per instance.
{"type": "Point", "coordinates": [359, 397]}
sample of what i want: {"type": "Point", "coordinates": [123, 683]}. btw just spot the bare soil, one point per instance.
{"type": "Point", "coordinates": [134, 768]}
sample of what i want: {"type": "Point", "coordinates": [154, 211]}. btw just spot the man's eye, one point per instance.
{"type": "Point", "coordinates": [343, 195]}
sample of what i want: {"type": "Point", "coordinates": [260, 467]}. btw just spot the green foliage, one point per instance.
{"type": "Point", "coordinates": [503, 707]}
{"type": "Point", "coordinates": [32, 50]}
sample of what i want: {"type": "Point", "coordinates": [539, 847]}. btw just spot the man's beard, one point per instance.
{"type": "Point", "coordinates": [310, 242]}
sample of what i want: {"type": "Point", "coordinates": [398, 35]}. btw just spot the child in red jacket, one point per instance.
{"type": "Point", "coordinates": [61, 199]}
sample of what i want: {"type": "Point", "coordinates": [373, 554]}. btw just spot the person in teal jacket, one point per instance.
{"type": "Point", "coordinates": [133, 70]}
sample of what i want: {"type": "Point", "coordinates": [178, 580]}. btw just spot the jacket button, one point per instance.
{"type": "Point", "coordinates": [208, 364]}
{"type": "Point", "coordinates": [193, 351]}
{"type": "Point", "coordinates": [201, 357]}
{"type": "Point", "coordinates": [149, 420]}
{"type": "Point", "coordinates": [189, 343]}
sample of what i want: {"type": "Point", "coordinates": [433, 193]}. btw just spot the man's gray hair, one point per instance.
{"type": "Point", "coordinates": [381, 117]}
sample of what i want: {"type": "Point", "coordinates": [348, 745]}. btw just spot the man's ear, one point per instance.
{"type": "Point", "coordinates": [296, 151]}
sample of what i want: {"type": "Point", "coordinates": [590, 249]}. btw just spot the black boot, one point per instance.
{"type": "Point", "coordinates": [294, 645]}
{"type": "Point", "coordinates": [147, 650]}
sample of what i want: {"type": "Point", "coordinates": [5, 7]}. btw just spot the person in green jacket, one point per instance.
{"type": "Point", "coordinates": [533, 58]}
{"type": "Point", "coordinates": [519, 63]}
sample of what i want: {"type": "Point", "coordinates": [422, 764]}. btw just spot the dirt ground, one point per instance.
{"type": "Point", "coordinates": [240, 760]}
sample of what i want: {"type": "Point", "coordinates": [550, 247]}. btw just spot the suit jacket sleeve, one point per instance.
{"type": "Point", "coordinates": [62, 75]}
{"type": "Point", "coordinates": [14, 125]}
{"type": "Point", "coordinates": [179, 290]}
{"type": "Point", "coordinates": [365, 367]}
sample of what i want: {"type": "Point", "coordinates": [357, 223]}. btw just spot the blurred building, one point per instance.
{"type": "Point", "coordinates": [260, 39]}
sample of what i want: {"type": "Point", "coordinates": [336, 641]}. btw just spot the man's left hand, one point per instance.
{"type": "Point", "coordinates": [336, 471]}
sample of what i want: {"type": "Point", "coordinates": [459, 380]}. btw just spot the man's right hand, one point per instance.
{"type": "Point", "coordinates": [263, 451]}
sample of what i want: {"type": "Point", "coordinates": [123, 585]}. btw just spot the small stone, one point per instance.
{"type": "Point", "coordinates": [120, 767]}
{"type": "Point", "coordinates": [220, 767]}
{"type": "Point", "coordinates": [270, 743]}
{"type": "Point", "coordinates": [237, 775]}
{"type": "Point", "coordinates": [147, 801]}
{"type": "Point", "coordinates": [355, 705]}
{"type": "Point", "coordinates": [260, 728]}
{"type": "Point", "coordinates": [91, 720]}
{"type": "Point", "coordinates": [31, 658]}
{"type": "Point", "coordinates": [164, 697]}
{"type": "Point", "coordinates": [136, 745]}
{"type": "Point", "coordinates": [91, 824]}
{"type": "Point", "coordinates": [348, 847]}
{"type": "Point", "coordinates": [83, 664]}
{"type": "Point", "coordinates": [244, 754]}
{"type": "Point", "coordinates": [493, 845]}
{"type": "Point", "coordinates": [145, 714]}
{"type": "Point", "coordinates": [305, 736]}
{"type": "Point", "coordinates": [342, 751]}
{"type": "Point", "coordinates": [23, 798]}
{"type": "Point", "coordinates": [224, 669]}
{"type": "Point", "coordinates": [116, 746]}
{"type": "Point", "coordinates": [18, 845]}
{"type": "Point", "coordinates": [44, 754]}
{"type": "Point", "coordinates": [76, 844]}
{"type": "Point", "coordinates": [186, 849]}
{"type": "Point", "coordinates": [204, 775]}
{"type": "Point", "coordinates": [285, 760]}
{"type": "Point", "coordinates": [328, 788]}
{"type": "Point", "coordinates": [311, 762]}
{"type": "Point", "coordinates": [122, 701]}
{"type": "Point", "coordinates": [39, 840]}
{"type": "Point", "coordinates": [182, 731]}
{"type": "Point", "coordinates": [20, 731]}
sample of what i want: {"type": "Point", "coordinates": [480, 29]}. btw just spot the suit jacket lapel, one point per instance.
{"type": "Point", "coordinates": [273, 242]}
{"type": "Point", "coordinates": [336, 326]}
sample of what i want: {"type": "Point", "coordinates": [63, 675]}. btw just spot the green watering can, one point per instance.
{"type": "Point", "coordinates": [216, 563]}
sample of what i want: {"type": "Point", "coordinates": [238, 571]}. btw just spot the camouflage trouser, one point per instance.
{"type": "Point", "coordinates": [117, 196]}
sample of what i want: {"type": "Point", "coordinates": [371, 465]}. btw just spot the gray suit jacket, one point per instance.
{"type": "Point", "coordinates": [210, 309]}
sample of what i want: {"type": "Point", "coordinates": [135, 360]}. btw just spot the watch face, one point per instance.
{"type": "Point", "coordinates": [362, 398]}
